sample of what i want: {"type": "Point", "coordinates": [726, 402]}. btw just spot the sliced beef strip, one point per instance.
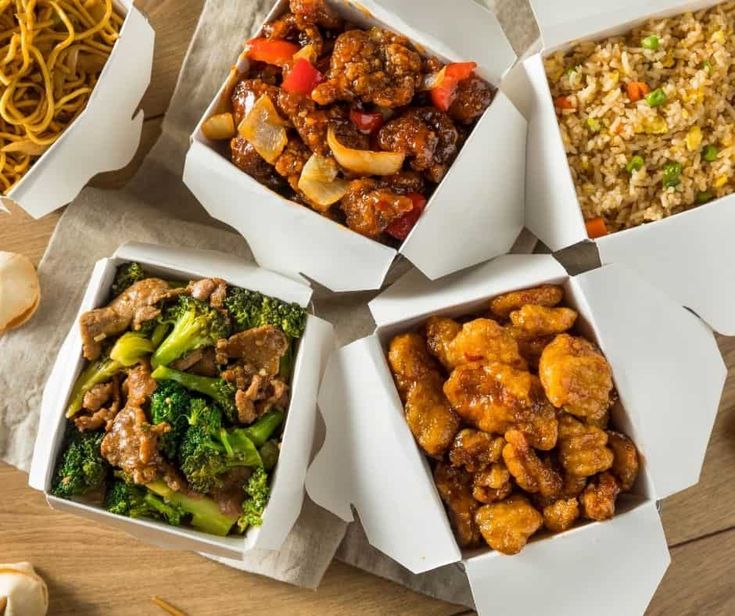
{"type": "Point", "coordinates": [140, 385]}
{"type": "Point", "coordinates": [132, 307]}
{"type": "Point", "coordinates": [261, 396]}
{"type": "Point", "coordinates": [132, 445]}
{"type": "Point", "coordinates": [206, 366]}
{"type": "Point", "coordinates": [204, 289]}
{"type": "Point", "coordinates": [101, 416]}
{"type": "Point", "coordinates": [96, 397]}
{"type": "Point", "coordinates": [261, 347]}
{"type": "Point", "coordinates": [230, 494]}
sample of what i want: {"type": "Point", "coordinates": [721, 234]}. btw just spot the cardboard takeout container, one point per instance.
{"type": "Point", "coordinates": [106, 134]}
{"type": "Point", "coordinates": [688, 255]}
{"type": "Point", "coordinates": [669, 375]}
{"type": "Point", "coordinates": [476, 213]}
{"type": "Point", "coordinates": [287, 488]}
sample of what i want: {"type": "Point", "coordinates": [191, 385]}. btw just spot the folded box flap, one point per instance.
{"type": "Point", "coordinates": [605, 568]}
{"type": "Point", "coordinates": [461, 30]}
{"type": "Point", "coordinates": [562, 21]}
{"type": "Point", "coordinates": [106, 134]}
{"type": "Point", "coordinates": [234, 269]}
{"type": "Point", "coordinates": [667, 369]}
{"type": "Point", "coordinates": [369, 459]}
{"type": "Point", "coordinates": [287, 488]}
{"type": "Point", "coordinates": [267, 221]}
{"type": "Point", "coordinates": [689, 255]}
{"type": "Point", "coordinates": [414, 296]}
{"type": "Point", "coordinates": [471, 219]}
{"type": "Point", "coordinates": [58, 386]}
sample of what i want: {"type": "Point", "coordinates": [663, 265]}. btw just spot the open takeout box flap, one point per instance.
{"type": "Point", "coordinates": [284, 236]}
{"type": "Point", "coordinates": [482, 223]}
{"type": "Point", "coordinates": [370, 460]}
{"type": "Point", "coordinates": [470, 219]}
{"type": "Point", "coordinates": [414, 297]}
{"type": "Point", "coordinates": [287, 486]}
{"type": "Point", "coordinates": [688, 255]}
{"type": "Point", "coordinates": [457, 30]}
{"type": "Point", "coordinates": [237, 271]}
{"type": "Point", "coordinates": [563, 21]}
{"type": "Point", "coordinates": [106, 134]}
{"type": "Point", "coordinates": [667, 370]}
{"type": "Point", "coordinates": [576, 573]}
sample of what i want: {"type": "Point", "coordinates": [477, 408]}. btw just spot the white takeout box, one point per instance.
{"type": "Point", "coordinates": [689, 255]}
{"type": "Point", "coordinates": [669, 375]}
{"type": "Point", "coordinates": [476, 213]}
{"type": "Point", "coordinates": [106, 134]}
{"type": "Point", "coordinates": [287, 489]}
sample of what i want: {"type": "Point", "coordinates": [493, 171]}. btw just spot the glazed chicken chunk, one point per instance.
{"type": "Point", "coordinates": [536, 321]}
{"type": "Point", "coordinates": [428, 413]}
{"type": "Point", "coordinates": [583, 450]}
{"type": "Point", "coordinates": [546, 295]}
{"type": "Point", "coordinates": [507, 526]}
{"type": "Point", "coordinates": [475, 450]}
{"type": "Point", "coordinates": [625, 459]}
{"type": "Point", "coordinates": [493, 484]}
{"type": "Point", "coordinates": [561, 515]}
{"type": "Point", "coordinates": [598, 498]}
{"type": "Point", "coordinates": [455, 488]}
{"type": "Point", "coordinates": [528, 470]}
{"type": "Point", "coordinates": [576, 377]}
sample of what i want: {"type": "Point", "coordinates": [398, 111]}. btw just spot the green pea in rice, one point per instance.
{"type": "Point", "coordinates": [691, 65]}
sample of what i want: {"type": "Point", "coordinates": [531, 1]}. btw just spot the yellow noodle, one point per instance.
{"type": "Point", "coordinates": [51, 55]}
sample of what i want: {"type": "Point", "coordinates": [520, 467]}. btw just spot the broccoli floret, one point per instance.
{"type": "Point", "coordinates": [269, 453]}
{"type": "Point", "coordinates": [208, 450]}
{"type": "Point", "coordinates": [222, 392]}
{"type": "Point", "coordinates": [127, 275]}
{"type": "Point", "coordinates": [253, 309]}
{"type": "Point", "coordinates": [129, 349]}
{"type": "Point", "coordinates": [258, 491]}
{"type": "Point", "coordinates": [262, 429]}
{"type": "Point", "coordinates": [205, 512]}
{"type": "Point", "coordinates": [196, 324]}
{"type": "Point", "coordinates": [81, 468]}
{"type": "Point", "coordinates": [170, 403]}
{"type": "Point", "coordinates": [135, 501]}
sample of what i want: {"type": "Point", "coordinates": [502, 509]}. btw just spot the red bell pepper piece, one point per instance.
{"type": "Point", "coordinates": [302, 78]}
{"type": "Point", "coordinates": [366, 122]}
{"type": "Point", "coordinates": [444, 93]}
{"type": "Point", "coordinates": [271, 51]}
{"type": "Point", "coordinates": [401, 227]}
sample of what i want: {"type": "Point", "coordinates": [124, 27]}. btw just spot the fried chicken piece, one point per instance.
{"type": "Point", "coordinates": [495, 397]}
{"type": "Point", "coordinates": [296, 29]}
{"type": "Point", "coordinates": [346, 131]}
{"type": "Point", "coordinates": [572, 485]}
{"type": "Point", "coordinates": [576, 376]}
{"type": "Point", "coordinates": [484, 340]}
{"type": "Point", "coordinates": [291, 162]}
{"type": "Point", "coordinates": [475, 450]}
{"type": "Point", "coordinates": [598, 498]}
{"type": "Point", "coordinates": [455, 488]}
{"type": "Point", "coordinates": [428, 413]}
{"type": "Point", "coordinates": [561, 515]}
{"type": "Point", "coordinates": [427, 136]}
{"type": "Point", "coordinates": [440, 332]}
{"type": "Point", "coordinates": [530, 349]}
{"type": "Point", "coordinates": [262, 347]}
{"type": "Point", "coordinates": [246, 92]}
{"type": "Point", "coordinates": [492, 485]}
{"type": "Point", "coordinates": [529, 471]}
{"type": "Point", "coordinates": [375, 66]}
{"type": "Point", "coordinates": [369, 209]}
{"type": "Point", "coordinates": [545, 295]}
{"type": "Point", "coordinates": [310, 122]}
{"type": "Point", "coordinates": [316, 12]}
{"type": "Point", "coordinates": [473, 96]}
{"type": "Point", "coordinates": [132, 445]}
{"type": "Point", "coordinates": [245, 158]}
{"type": "Point", "coordinates": [536, 321]}
{"type": "Point", "coordinates": [507, 526]}
{"type": "Point", "coordinates": [131, 308]}
{"type": "Point", "coordinates": [582, 448]}
{"type": "Point", "coordinates": [625, 459]}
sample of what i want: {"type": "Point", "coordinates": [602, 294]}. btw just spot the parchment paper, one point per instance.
{"type": "Point", "coordinates": [157, 207]}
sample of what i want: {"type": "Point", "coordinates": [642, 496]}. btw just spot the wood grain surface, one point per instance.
{"type": "Point", "coordinates": [93, 570]}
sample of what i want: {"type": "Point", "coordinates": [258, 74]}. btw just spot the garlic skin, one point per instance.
{"type": "Point", "coordinates": [22, 590]}
{"type": "Point", "coordinates": [20, 290]}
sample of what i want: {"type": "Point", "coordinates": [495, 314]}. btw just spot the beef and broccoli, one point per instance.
{"type": "Point", "coordinates": [354, 123]}
{"type": "Point", "coordinates": [177, 414]}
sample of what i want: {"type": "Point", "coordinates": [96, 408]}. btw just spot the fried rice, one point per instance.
{"type": "Point", "coordinates": [647, 118]}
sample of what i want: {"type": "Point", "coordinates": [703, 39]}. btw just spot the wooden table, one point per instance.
{"type": "Point", "coordinates": [93, 570]}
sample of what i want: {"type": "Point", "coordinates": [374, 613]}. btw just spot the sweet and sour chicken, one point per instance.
{"type": "Point", "coordinates": [512, 406]}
